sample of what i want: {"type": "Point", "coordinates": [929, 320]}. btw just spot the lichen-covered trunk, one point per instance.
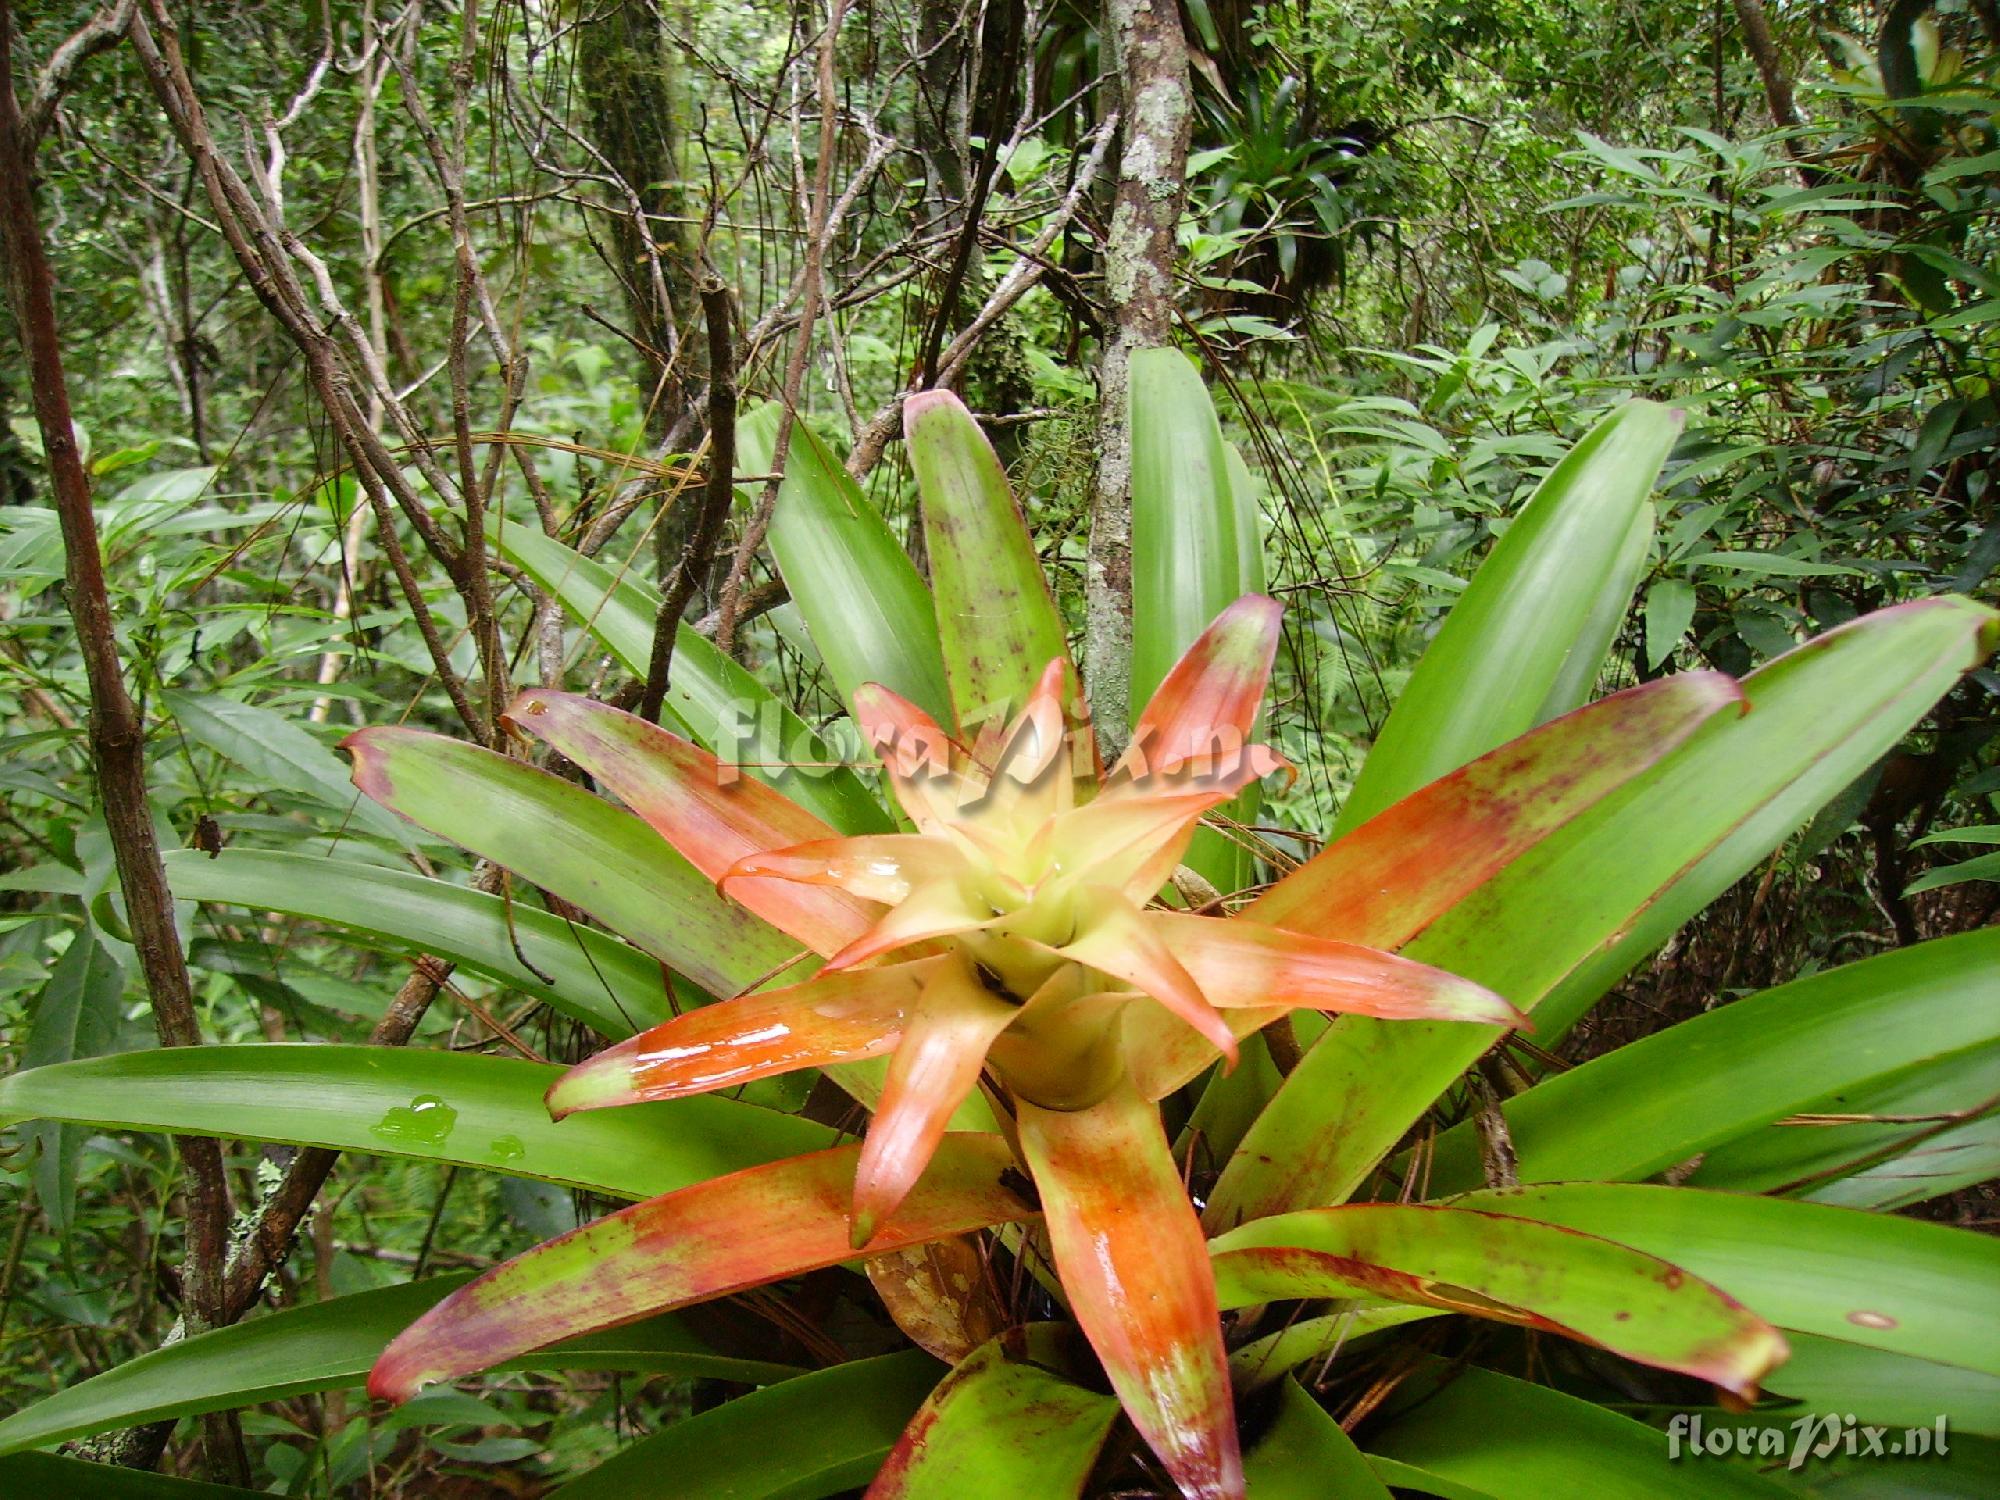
{"type": "Point", "coordinates": [1150, 56]}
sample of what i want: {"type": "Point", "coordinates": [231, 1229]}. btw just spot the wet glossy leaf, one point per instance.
{"type": "Point", "coordinates": [1195, 541]}
{"type": "Point", "coordinates": [1732, 1071]}
{"type": "Point", "coordinates": [1890, 1283]}
{"type": "Point", "coordinates": [869, 612]}
{"type": "Point", "coordinates": [1131, 1257]}
{"type": "Point", "coordinates": [457, 1107]}
{"type": "Point", "coordinates": [1560, 924]}
{"type": "Point", "coordinates": [1509, 1440]}
{"type": "Point", "coordinates": [1303, 1455]}
{"type": "Point", "coordinates": [713, 816]}
{"type": "Point", "coordinates": [708, 1239]}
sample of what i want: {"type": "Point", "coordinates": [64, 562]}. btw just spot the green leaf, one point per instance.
{"type": "Point", "coordinates": [1890, 1283]}
{"type": "Point", "coordinates": [1985, 867]}
{"type": "Point", "coordinates": [1726, 1074]}
{"type": "Point", "coordinates": [1819, 717]}
{"type": "Point", "coordinates": [1421, 1481]}
{"type": "Point", "coordinates": [1508, 640]}
{"type": "Point", "coordinates": [42, 1475]}
{"type": "Point", "coordinates": [996, 622]}
{"type": "Point", "coordinates": [560, 837]}
{"type": "Point", "coordinates": [1908, 1151]}
{"type": "Point", "coordinates": [455, 1107]}
{"type": "Point", "coordinates": [1303, 1455]}
{"type": "Point", "coordinates": [1559, 926]}
{"type": "Point", "coordinates": [1258, 1363]}
{"type": "Point", "coordinates": [869, 612]}
{"type": "Point", "coordinates": [1769, 564]}
{"type": "Point", "coordinates": [710, 698]}
{"type": "Point", "coordinates": [592, 977]}
{"type": "Point", "coordinates": [1985, 833]}
{"type": "Point", "coordinates": [1832, 1375]}
{"type": "Point", "coordinates": [1926, 1165]}
{"type": "Point", "coordinates": [1510, 1440]}
{"type": "Point", "coordinates": [1669, 612]}
{"type": "Point", "coordinates": [278, 753]}
{"type": "Point", "coordinates": [1540, 1276]}
{"type": "Point", "coordinates": [1186, 525]}
{"type": "Point", "coordinates": [1191, 525]}
{"type": "Point", "coordinates": [814, 1436]}
{"type": "Point", "coordinates": [76, 1015]}
{"type": "Point", "coordinates": [324, 1345]}
{"type": "Point", "coordinates": [1000, 1424]}
{"type": "Point", "coordinates": [1576, 681]}
{"type": "Point", "coordinates": [710, 1239]}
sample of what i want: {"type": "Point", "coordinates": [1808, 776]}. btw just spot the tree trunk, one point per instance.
{"type": "Point", "coordinates": [1150, 55]}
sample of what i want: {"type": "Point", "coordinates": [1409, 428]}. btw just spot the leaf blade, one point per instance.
{"type": "Point", "coordinates": [487, 1112]}
{"type": "Point", "coordinates": [705, 1240]}
{"type": "Point", "coordinates": [560, 837]}
{"type": "Point", "coordinates": [997, 624]}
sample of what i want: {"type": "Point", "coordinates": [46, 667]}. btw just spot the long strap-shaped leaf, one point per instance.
{"type": "Point", "coordinates": [997, 625]}
{"type": "Point", "coordinates": [869, 612]}
{"type": "Point", "coordinates": [1506, 644]}
{"type": "Point", "coordinates": [711, 699]}
{"type": "Point", "coordinates": [822, 1434]}
{"type": "Point", "coordinates": [579, 970]}
{"type": "Point", "coordinates": [457, 1107]}
{"type": "Point", "coordinates": [1925, 1290]}
{"type": "Point", "coordinates": [1508, 1440]}
{"type": "Point", "coordinates": [40, 1474]}
{"type": "Point", "coordinates": [704, 1241]}
{"type": "Point", "coordinates": [1587, 902]}
{"type": "Point", "coordinates": [1834, 1376]}
{"type": "Point", "coordinates": [1000, 1424]}
{"type": "Point", "coordinates": [712, 815]}
{"type": "Point", "coordinates": [1131, 1257]}
{"type": "Point", "coordinates": [1539, 1275]}
{"type": "Point", "coordinates": [1304, 1455]}
{"type": "Point", "coordinates": [1712, 1079]}
{"type": "Point", "coordinates": [321, 1346]}
{"type": "Point", "coordinates": [562, 838]}
{"type": "Point", "coordinates": [1908, 1152]}
{"type": "Point", "coordinates": [1196, 548]}
{"type": "Point", "coordinates": [1392, 877]}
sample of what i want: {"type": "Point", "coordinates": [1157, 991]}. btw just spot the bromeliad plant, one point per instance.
{"type": "Point", "coordinates": [1011, 936]}
{"type": "Point", "coordinates": [1029, 976]}
{"type": "Point", "coordinates": [1015, 937]}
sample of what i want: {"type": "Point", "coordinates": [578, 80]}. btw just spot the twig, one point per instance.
{"type": "Point", "coordinates": [716, 498]}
